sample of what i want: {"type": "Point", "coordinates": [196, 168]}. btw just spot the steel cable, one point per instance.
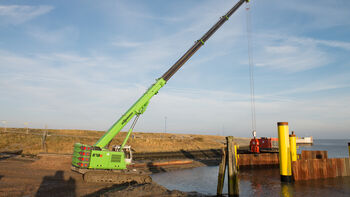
{"type": "Point", "coordinates": [251, 66]}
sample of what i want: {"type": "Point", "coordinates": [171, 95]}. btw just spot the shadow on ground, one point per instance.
{"type": "Point", "coordinates": [111, 189]}
{"type": "Point", "coordinates": [155, 169]}
{"type": "Point", "coordinates": [57, 186]}
{"type": "Point", "coordinates": [204, 157]}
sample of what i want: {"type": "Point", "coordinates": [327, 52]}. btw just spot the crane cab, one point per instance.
{"type": "Point", "coordinates": [127, 153]}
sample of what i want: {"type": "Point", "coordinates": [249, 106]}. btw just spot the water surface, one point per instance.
{"type": "Point", "coordinates": [262, 182]}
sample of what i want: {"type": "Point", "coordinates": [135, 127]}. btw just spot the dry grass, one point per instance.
{"type": "Point", "coordinates": [62, 141]}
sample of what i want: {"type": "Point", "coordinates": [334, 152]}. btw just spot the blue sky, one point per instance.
{"type": "Point", "coordinates": [82, 64]}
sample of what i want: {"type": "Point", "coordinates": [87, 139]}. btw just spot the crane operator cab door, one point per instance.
{"type": "Point", "coordinates": [127, 153]}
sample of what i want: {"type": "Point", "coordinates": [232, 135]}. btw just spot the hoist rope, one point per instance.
{"type": "Point", "coordinates": [251, 66]}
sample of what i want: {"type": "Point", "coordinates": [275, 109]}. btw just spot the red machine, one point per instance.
{"type": "Point", "coordinates": [254, 146]}
{"type": "Point", "coordinates": [264, 143]}
{"type": "Point", "coordinates": [268, 143]}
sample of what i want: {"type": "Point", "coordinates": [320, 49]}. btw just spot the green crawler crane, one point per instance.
{"type": "Point", "coordinates": [93, 161]}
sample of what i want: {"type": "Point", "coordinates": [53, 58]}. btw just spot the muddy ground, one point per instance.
{"type": "Point", "coordinates": [32, 173]}
{"type": "Point", "coordinates": [51, 176]}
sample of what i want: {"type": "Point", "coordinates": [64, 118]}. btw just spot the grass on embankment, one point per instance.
{"type": "Point", "coordinates": [62, 141]}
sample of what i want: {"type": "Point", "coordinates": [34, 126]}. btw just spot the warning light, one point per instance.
{"type": "Point", "coordinates": [84, 153]}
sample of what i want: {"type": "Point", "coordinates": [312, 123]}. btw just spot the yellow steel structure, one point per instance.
{"type": "Point", "coordinates": [237, 156]}
{"type": "Point", "coordinates": [284, 152]}
{"type": "Point", "coordinates": [293, 147]}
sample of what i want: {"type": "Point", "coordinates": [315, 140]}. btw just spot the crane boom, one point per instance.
{"type": "Point", "coordinates": [87, 157]}
{"type": "Point", "coordinates": [140, 105]}
{"type": "Point", "coordinates": [198, 44]}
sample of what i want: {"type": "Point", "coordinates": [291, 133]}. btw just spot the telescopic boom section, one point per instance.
{"type": "Point", "coordinates": [140, 105]}
{"type": "Point", "coordinates": [198, 44]}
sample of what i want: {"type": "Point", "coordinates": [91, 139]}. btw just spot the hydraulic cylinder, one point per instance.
{"type": "Point", "coordinates": [284, 152]}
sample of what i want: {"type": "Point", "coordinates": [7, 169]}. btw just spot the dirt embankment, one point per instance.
{"type": "Point", "coordinates": [62, 141]}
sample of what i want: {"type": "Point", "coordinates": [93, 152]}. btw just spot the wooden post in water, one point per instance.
{"type": "Point", "coordinates": [229, 157]}
{"type": "Point", "coordinates": [222, 169]}
{"type": "Point", "coordinates": [233, 187]}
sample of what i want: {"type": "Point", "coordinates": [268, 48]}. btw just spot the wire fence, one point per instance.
{"type": "Point", "coordinates": [94, 135]}
{"type": "Point", "coordinates": [42, 133]}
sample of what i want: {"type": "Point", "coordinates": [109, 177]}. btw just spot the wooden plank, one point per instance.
{"type": "Point", "coordinates": [324, 168]}
{"type": "Point", "coordinates": [320, 168]}
{"type": "Point", "coordinates": [258, 159]}
{"type": "Point", "coordinates": [308, 154]}
{"type": "Point", "coordinates": [303, 169]}
{"type": "Point", "coordinates": [347, 166]}
{"type": "Point", "coordinates": [343, 163]}
{"type": "Point", "coordinates": [331, 168]}
{"type": "Point", "coordinates": [295, 171]}
{"type": "Point", "coordinates": [233, 187]}
{"type": "Point", "coordinates": [316, 172]}
{"type": "Point", "coordinates": [311, 172]}
{"type": "Point", "coordinates": [222, 169]}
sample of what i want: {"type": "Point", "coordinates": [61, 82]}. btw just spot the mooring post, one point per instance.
{"type": "Point", "coordinates": [221, 176]}
{"type": "Point", "coordinates": [233, 187]}
{"type": "Point", "coordinates": [349, 148]}
{"type": "Point", "coordinates": [293, 147]}
{"type": "Point", "coordinates": [284, 152]}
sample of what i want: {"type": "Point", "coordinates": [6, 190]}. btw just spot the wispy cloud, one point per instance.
{"type": "Point", "coordinates": [330, 43]}
{"type": "Point", "coordinates": [324, 84]}
{"type": "Point", "coordinates": [17, 14]}
{"type": "Point", "coordinates": [324, 14]}
{"type": "Point", "coordinates": [54, 36]}
{"type": "Point", "coordinates": [127, 44]}
{"type": "Point", "coordinates": [289, 54]}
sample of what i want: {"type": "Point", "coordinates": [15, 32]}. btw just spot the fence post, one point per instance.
{"type": "Point", "coordinates": [4, 122]}
{"type": "Point", "coordinates": [43, 141]}
{"type": "Point", "coordinates": [233, 187]}
{"type": "Point", "coordinates": [222, 169]}
{"type": "Point", "coordinates": [26, 124]}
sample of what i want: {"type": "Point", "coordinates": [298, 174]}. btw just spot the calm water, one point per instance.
{"type": "Point", "coordinates": [263, 182]}
{"type": "Point", "coordinates": [335, 148]}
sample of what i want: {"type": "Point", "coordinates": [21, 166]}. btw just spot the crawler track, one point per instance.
{"type": "Point", "coordinates": [113, 176]}
{"type": "Point", "coordinates": [116, 177]}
